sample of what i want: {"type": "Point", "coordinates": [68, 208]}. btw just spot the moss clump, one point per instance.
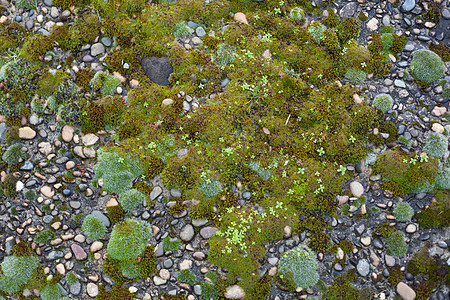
{"type": "Point", "coordinates": [12, 134]}
{"type": "Point", "coordinates": [128, 239]}
{"type": "Point", "coordinates": [442, 50]}
{"type": "Point", "coordinates": [186, 276]}
{"type": "Point", "coordinates": [427, 66]}
{"type": "Point", "coordinates": [119, 292]}
{"type": "Point", "coordinates": [384, 229]}
{"type": "Point", "coordinates": [396, 244]}
{"type": "Point", "coordinates": [346, 246]}
{"type": "Point", "coordinates": [14, 154]}
{"type": "Point", "coordinates": [66, 4]}
{"type": "Point", "coordinates": [403, 211]}
{"type": "Point", "coordinates": [50, 292]}
{"type": "Point", "coordinates": [437, 215]}
{"type": "Point", "coordinates": [404, 173]}
{"type": "Point", "coordinates": [9, 186]}
{"type": "Point", "coordinates": [35, 47]}
{"type": "Point", "coordinates": [436, 144]}
{"type": "Point", "coordinates": [71, 278]}
{"type": "Point", "coordinates": [171, 244]}
{"type": "Point", "coordinates": [93, 227]}
{"type": "Point", "coordinates": [43, 236]}
{"type": "Point", "coordinates": [115, 213]}
{"type": "Point", "coordinates": [348, 29]}
{"type": "Point", "coordinates": [341, 289]}
{"type": "Point", "coordinates": [383, 102]}
{"type": "Point", "coordinates": [355, 76]}
{"type": "Point", "coordinates": [131, 199]}
{"type": "Point", "coordinates": [48, 83]}
{"type": "Point", "coordinates": [302, 263]}
{"type": "Point", "coordinates": [395, 275]}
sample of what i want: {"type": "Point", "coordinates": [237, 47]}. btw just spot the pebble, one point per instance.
{"type": "Point", "coordinates": [399, 83]}
{"type": "Point", "coordinates": [411, 228]}
{"type": "Point", "coordinates": [208, 232]}
{"type": "Point", "coordinates": [187, 233]}
{"type": "Point", "coordinates": [97, 49]}
{"type": "Point", "coordinates": [240, 17]}
{"type": "Point", "coordinates": [356, 188]}
{"type": "Point", "coordinates": [92, 289]}
{"type": "Point", "coordinates": [406, 292]}
{"type": "Point", "coordinates": [390, 261]}
{"type": "Point", "coordinates": [234, 292]}
{"type": "Point", "coordinates": [408, 5]}
{"type": "Point", "coordinates": [26, 133]}
{"type": "Point", "coordinates": [363, 267]}
{"type": "Point", "coordinates": [106, 41]}
{"type": "Point", "coordinates": [79, 252]}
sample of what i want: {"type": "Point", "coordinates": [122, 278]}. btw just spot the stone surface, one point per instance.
{"type": "Point", "coordinates": [79, 252]}
{"type": "Point", "coordinates": [26, 133]}
{"type": "Point", "coordinates": [207, 232]}
{"type": "Point", "coordinates": [92, 289]}
{"type": "Point", "coordinates": [356, 188]}
{"type": "Point", "coordinates": [240, 17]}
{"type": "Point", "coordinates": [406, 292]}
{"type": "Point", "coordinates": [363, 267]}
{"type": "Point", "coordinates": [187, 233]}
{"type": "Point", "coordinates": [157, 69]}
{"type": "Point", "coordinates": [67, 133]}
{"type": "Point", "coordinates": [408, 5]}
{"type": "Point", "coordinates": [234, 292]}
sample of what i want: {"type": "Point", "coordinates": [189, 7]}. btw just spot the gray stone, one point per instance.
{"type": "Point", "coordinates": [197, 290]}
{"type": "Point", "coordinates": [49, 3]}
{"type": "Point", "coordinates": [155, 193]}
{"type": "Point", "coordinates": [157, 69]}
{"type": "Point", "coordinates": [208, 232]}
{"type": "Point", "coordinates": [168, 263]}
{"type": "Point", "coordinates": [199, 222]}
{"type": "Point", "coordinates": [363, 267]}
{"type": "Point", "coordinates": [224, 82]}
{"type": "Point", "coordinates": [106, 41]}
{"type": "Point", "coordinates": [55, 255]}
{"type": "Point", "coordinates": [3, 128]}
{"type": "Point", "coordinates": [409, 47]}
{"type": "Point", "coordinates": [348, 10]}
{"type": "Point", "coordinates": [187, 233]}
{"type": "Point", "coordinates": [175, 193]}
{"type": "Point", "coordinates": [446, 14]}
{"type": "Point", "coordinates": [200, 31]}
{"type": "Point", "coordinates": [27, 166]}
{"type": "Point", "coordinates": [75, 288]}
{"type": "Point", "coordinates": [97, 49]}
{"type": "Point", "coordinates": [408, 5]}
{"type": "Point", "coordinates": [101, 216]}
{"type": "Point", "coordinates": [399, 83]}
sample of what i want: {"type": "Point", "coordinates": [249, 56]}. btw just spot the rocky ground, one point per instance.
{"type": "Point", "coordinates": [56, 152]}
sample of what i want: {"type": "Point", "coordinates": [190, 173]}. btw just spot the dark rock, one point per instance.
{"type": "Point", "coordinates": [378, 243]}
{"type": "Point", "coordinates": [157, 69]}
{"type": "Point", "coordinates": [87, 58]}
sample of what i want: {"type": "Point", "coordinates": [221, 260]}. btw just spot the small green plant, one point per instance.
{"type": "Point", "coordinates": [31, 4]}
{"type": "Point", "coordinates": [224, 55]}
{"type": "Point", "coordinates": [17, 271]}
{"type": "Point", "coordinates": [180, 29]}
{"type": "Point", "coordinates": [210, 188]}
{"type": "Point", "coordinates": [43, 236]}
{"type": "Point", "coordinates": [71, 278]}
{"type": "Point", "coordinates": [383, 102]}
{"type": "Point", "coordinates": [355, 76]}
{"type": "Point", "coordinates": [104, 82]}
{"type": "Point", "coordinates": [302, 263]}
{"type": "Point", "coordinates": [131, 199]}
{"type": "Point", "coordinates": [50, 292]}
{"type": "Point", "coordinates": [403, 211]}
{"type": "Point", "coordinates": [128, 239]}
{"type": "Point", "coordinates": [443, 179]}
{"type": "Point", "coordinates": [14, 154]}
{"type": "Point", "coordinates": [186, 276]}
{"type": "Point", "coordinates": [297, 14]}
{"type": "Point", "coordinates": [93, 227]}
{"type": "Point", "coordinates": [436, 144]}
{"type": "Point", "coordinates": [317, 31]}
{"type": "Point", "coordinates": [171, 244]}
{"type": "Point", "coordinates": [396, 244]}
{"type": "Point", "coordinates": [426, 65]}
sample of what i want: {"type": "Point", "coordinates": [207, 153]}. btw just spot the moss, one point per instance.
{"type": "Point", "coordinates": [43, 236]}
{"type": "Point", "coordinates": [9, 186]}
{"type": "Point", "coordinates": [320, 242]}
{"type": "Point", "coordinates": [362, 17]}
{"type": "Point", "coordinates": [396, 244]}
{"type": "Point", "coordinates": [384, 229]}
{"type": "Point", "coordinates": [93, 227]}
{"type": "Point", "coordinates": [186, 276]}
{"type": "Point", "coordinates": [111, 267]}
{"type": "Point", "coordinates": [398, 43]}
{"type": "Point", "coordinates": [421, 263]}
{"type": "Point", "coordinates": [346, 246]}
{"type": "Point", "coordinates": [35, 47]}
{"type": "Point", "coordinates": [332, 20]}
{"type": "Point", "coordinates": [426, 65]}
{"type": "Point", "coordinates": [437, 215]}
{"type": "Point", "coordinates": [442, 50]}
{"type": "Point", "coordinates": [66, 4]}
{"type": "Point", "coordinates": [48, 83]}
{"type": "Point", "coordinates": [171, 244]}
{"type": "Point", "coordinates": [12, 135]}
{"type": "Point", "coordinates": [395, 275]}
{"type": "Point", "coordinates": [341, 289]}
{"type": "Point", "coordinates": [84, 76]}
{"type": "Point", "coordinates": [348, 29]}
{"type": "Point", "coordinates": [119, 292]}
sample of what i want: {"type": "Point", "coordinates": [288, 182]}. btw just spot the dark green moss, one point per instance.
{"type": "Point", "coordinates": [9, 186]}
{"type": "Point", "coordinates": [348, 29]}
{"type": "Point", "coordinates": [395, 275]}
{"type": "Point", "coordinates": [346, 246]}
{"type": "Point", "coordinates": [384, 229]}
{"type": "Point", "coordinates": [35, 47]}
{"type": "Point", "coordinates": [115, 213]}
{"type": "Point", "coordinates": [12, 135]}
{"type": "Point", "coordinates": [442, 50]}
{"type": "Point", "coordinates": [119, 292]}
{"type": "Point", "coordinates": [437, 215]}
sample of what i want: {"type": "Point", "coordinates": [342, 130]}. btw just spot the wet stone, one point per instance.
{"type": "Point", "coordinates": [157, 69]}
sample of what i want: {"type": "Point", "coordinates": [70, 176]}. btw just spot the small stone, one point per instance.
{"type": "Point", "coordinates": [390, 261]}
{"type": "Point", "coordinates": [372, 25]}
{"type": "Point", "coordinates": [363, 267]}
{"type": "Point", "coordinates": [411, 228]}
{"type": "Point", "coordinates": [26, 133]}
{"type": "Point", "coordinates": [366, 240]}
{"type": "Point", "coordinates": [96, 246]}
{"type": "Point", "coordinates": [240, 17]}
{"type": "Point", "coordinates": [405, 291]}
{"type": "Point", "coordinates": [155, 193]}
{"type": "Point", "coordinates": [436, 127]}
{"type": "Point", "coordinates": [92, 289]}
{"type": "Point", "coordinates": [185, 264]}
{"type": "Point", "coordinates": [164, 274]}
{"type": "Point", "coordinates": [54, 12]}
{"type": "Point", "coordinates": [158, 280]}
{"type": "Point", "coordinates": [187, 233]}
{"type": "Point", "coordinates": [60, 269]}
{"type": "Point", "coordinates": [167, 102]}
{"type": "Point", "coordinates": [408, 5]}
{"type": "Point", "coordinates": [47, 191]}
{"type": "Point", "coordinates": [234, 292]}
{"type": "Point", "coordinates": [89, 139]}
{"type": "Point", "coordinates": [79, 252]}
{"type": "Point", "coordinates": [67, 133]}
{"type": "Point", "coordinates": [200, 31]}
{"type": "Point", "coordinates": [399, 83]}
{"type": "Point", "coordinates": [356, 188]}
{"type": "Point", "coordinates": [106, 41]}
{"type": "Point", "coordinates": [97, 49]}
{"type": "Point", "coordinates": [208, 232]}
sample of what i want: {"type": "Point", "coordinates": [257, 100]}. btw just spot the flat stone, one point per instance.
{"type": "Point", "coordinates": [399, 83]}
{"type": "Point", "coordinates": [158, 280]}
{"type": "Point", "coordinates": [75, 288]}
{"type": "Point", "coordinates": [234, 292]}
{"type": "Point", "coordinates": [96, 246]}
{"type": "Point", "coordinates": [45, 148]}
{"type": "Point", "coordinates": [363, 267]}
{"type": "Point", "coordinates": [405, 291]}
{"type": "Point", "coordinates": [366, 240]}
{"type": "Point", "coordinates": [408, 5]}
{"type": "Point", "coordinates": [97, 49]}
{"type": "Point", "coordinates": [47, 191]}
{"type": "Point", "coordinates": [166, 102]}
{"type": "Point", "coordinates": [356, 188]}
{"type": "Point", "coordinates": [208, 232]}
{"type": "Point", "coordinates": [187, 233]}
{"type": "Point", "coordinates": [240, 17]}
{"type": "Point", "coordinates": [164, 274]}
{"type": "Point", "coordinates": [89, 139]}
{"type": "Point", "coordinates": [390, 261]}
{"type": "Point", "coordinates": [78, 252]}
{"type": "Point", "coordinates": [155, 193]}
{"type": "Point", "coordinates": [436, 127]}
{"type": "Point", "coordinates": [372, 25]}
{"type": "Point", "coordinates": [92, 289]}
{"type": "Point", "coordinates": [348, 10]}
{"type": "Point", "coordinates": [157, 69]}
{"type": "Point", "coordinates": [106, 41]}
{"type": "Point", "coordinates": [185, 264]}
{"type": "Point", "coordinates": [199, 222]}
{"type": "Point", "coordinates": [411, 228]}
{"type": "Point", "coordinates": [26, 133]}
{"type": "Point", "coordinates": [60, 269]}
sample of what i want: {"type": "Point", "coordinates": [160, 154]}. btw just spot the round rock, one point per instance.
{"type": "Point", "coordinates": [187, 233]}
